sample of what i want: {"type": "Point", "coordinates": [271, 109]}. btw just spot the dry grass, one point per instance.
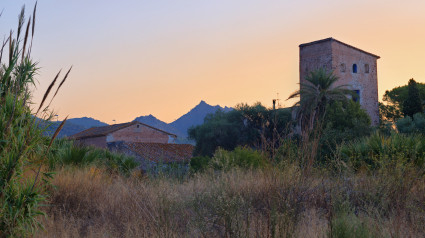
{"type": "Point", "coordinates": [261, 203]}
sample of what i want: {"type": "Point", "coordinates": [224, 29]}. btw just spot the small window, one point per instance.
{"type": "Point", "coordinates": [342, 68]}
{"type": "Point", "coordinates": [355, 68]}
{"type": "Point", "coordinates": [366, 68]}
{"type": "Point", "coordinates": [138, 126]}
{"type": "Point", "coordinates": [356, 97]}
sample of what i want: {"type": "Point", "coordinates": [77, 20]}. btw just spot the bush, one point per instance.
{"type": "Point", "coordinates": [241, 157]}
{"type": "Point", "coordinates": [343, 122]}
{"type": "Point", "coordinates": [377, 150]}
{"type": "Point", "coordinates": [66, 153]}
{"type": "Point", "coordinates": [408, 125]}
{"type": "Point", "coordinates": [199, 163]}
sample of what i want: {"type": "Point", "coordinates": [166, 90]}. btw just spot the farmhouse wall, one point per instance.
{"type": "Point", "coordinates": [138, 133]}
{"type": "Point", "coordinates": [99, 141]}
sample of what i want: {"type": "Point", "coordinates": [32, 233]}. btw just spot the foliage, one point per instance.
{"type": "Point", "coordinates": [252, 126]}
{"type": "Point", "coordinates": [22, 146]}
{"type": "Point", "coordinates": [378, 150]}
{"type": "Point", "coordinates": [240, 157]}
{"type": "Point", "coordinates": [344, 121]}
{"type": "Point", "coordinates": [408, 125]}
{"type": "Point", "coordinates": [199, 163]}
{"type": "Point", "coordinates": [316, 92]}
{"type": "Point", "coordinates": [65, 152]}
{"type": "Point", "coordinates": [389, 113]}
{"type": "Point", "coordinates": [413, 102]}
{"type": "Point", "coordinates": [394, 99]}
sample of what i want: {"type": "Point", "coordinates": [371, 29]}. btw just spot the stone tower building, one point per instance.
{"type": "Point", "coordinates": [354, 67]}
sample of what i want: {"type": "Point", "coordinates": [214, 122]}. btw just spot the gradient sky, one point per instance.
{"type": "Point", "coordinates": [161, 57]}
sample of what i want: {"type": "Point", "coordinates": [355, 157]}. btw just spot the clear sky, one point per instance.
{"type": "Point", "coordinates": [161, 57]}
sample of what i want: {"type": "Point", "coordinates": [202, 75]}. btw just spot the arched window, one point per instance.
{"type": "Point", "coordinates": [366, 68]}
{"type": "Point", "coordinates": [355, 68]}
{"type": "Point", "coordinates": [342, 68]}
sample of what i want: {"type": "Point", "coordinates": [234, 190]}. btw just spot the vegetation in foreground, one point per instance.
{"type": "Point", "coordinates": [268, 202]}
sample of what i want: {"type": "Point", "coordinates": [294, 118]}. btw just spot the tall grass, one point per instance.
{"type": "Point", "coordinates": [237, 203]}
{"type": "Point", "coordinates": [22, 146]}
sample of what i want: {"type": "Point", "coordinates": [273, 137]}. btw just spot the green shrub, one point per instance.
{"type": "Point", "coordinates": [241, 157]}
{"type": "Point", "coordinates": [67, 153]}
{"type": "Point", "coordinates": [199, 163]}
{"type": "Point", "coordinates": [288, 152]}
{"type": "Point", "coordinates": [408, 125]}
{"type": "Point", "coordinates": [377, 149]}
{"type": "Point", "coordinates": [116, 162]}
{"type": "Point", "coordinates": [344, 122]}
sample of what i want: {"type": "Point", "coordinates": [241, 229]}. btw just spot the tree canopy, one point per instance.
{"type": "Point", "coordinates": [247, 125]}
{"type": "Point", "coordinates": [413, 102]}
{"type": "Point", "coordinates": [392, 108]}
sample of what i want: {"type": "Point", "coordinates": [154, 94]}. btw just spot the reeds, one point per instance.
{"type": "Point", "coordinates": [22, 146]}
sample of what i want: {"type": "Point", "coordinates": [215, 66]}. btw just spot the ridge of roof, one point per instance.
{"type": "Point", "coordinates": [340, 42]}
{"type": "Point", "coordinates": [105, 130]}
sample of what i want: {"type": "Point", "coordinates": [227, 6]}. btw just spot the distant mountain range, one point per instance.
{"type": "Point", "coordinates": [179, 127]}
{"type": "Point", "coordinates": [73, 126]}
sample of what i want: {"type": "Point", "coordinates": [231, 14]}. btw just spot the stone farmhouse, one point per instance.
{"type": "Point", "coordinates": [128, 132]}
{"type": "Point", "coordinates": [147, 144]}
{"type": "Point", "coordinates": [355, 68]}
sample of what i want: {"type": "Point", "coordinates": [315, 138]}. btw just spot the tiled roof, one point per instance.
{"type": "Point", "coordinates": [332, 39]}
{"type": "Point", "coordinates": [105, 130]}
{"type": "Point", "coordinates": [159, 152]}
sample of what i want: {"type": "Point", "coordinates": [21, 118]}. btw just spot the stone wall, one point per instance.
{"type": "Point", "coordinates": [366, 83]}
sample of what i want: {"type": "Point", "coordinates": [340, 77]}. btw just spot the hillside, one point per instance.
{"type": "Point", "coordinates": [196, 116]}
{"type": "Point", "coordinates": [73, 126]}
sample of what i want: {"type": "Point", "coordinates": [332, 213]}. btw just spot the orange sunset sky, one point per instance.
{"type": "Point", "coordinates": [162, 57]}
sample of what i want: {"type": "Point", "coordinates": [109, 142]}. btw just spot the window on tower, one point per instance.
{"type": "Point", "coordinates": [342, 68]}
{"type": "Point", "coordinates": [355, 68]}
{"type": "Point", "coordinates": [356, 96]}
{"type": "Point", "coordinates": [366, 68]}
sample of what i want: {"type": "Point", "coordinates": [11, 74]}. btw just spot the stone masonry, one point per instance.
{"type": "Point", "coordinates": [355, 68]}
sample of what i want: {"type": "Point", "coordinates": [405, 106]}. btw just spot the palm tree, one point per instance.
{"type": "Point", "coordinates": [316, 92]}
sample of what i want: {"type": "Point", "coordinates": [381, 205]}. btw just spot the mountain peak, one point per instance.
{"type": "Point", "coordinates": [195, 116]}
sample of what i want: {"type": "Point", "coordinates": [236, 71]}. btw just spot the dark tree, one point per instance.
{"type": "Point", "coordinates": [253, 126]}
{"type": "Point", "coordinates": [413, 103]}
{"type": "Point", "coordinates": [392, 108]}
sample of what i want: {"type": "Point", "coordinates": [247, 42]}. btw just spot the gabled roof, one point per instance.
{"type": "Point", "coordinates": [163, 153]}
{"type": "Point", "coordinates": [340, 42]}
{"type": "Point", "coordinates": [105, 130]}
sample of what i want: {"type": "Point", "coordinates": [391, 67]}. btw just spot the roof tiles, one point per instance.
{"type": "Point", "coordinates": [158, 152]}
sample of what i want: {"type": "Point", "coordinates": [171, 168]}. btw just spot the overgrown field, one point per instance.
{"type": "Point", "coordinates": [269, 202]}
